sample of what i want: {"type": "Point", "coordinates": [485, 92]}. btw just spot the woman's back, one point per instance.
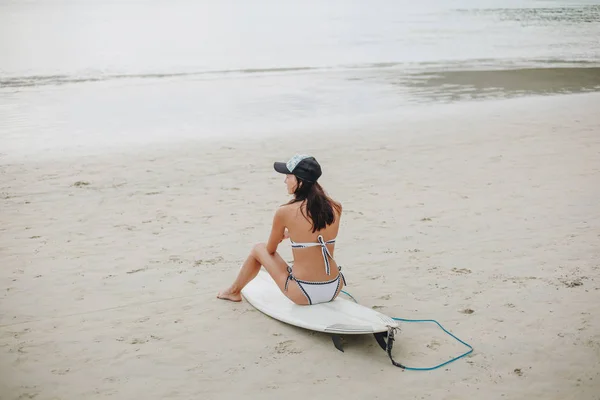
{"type": "Point", "coordinates": [309, 261]}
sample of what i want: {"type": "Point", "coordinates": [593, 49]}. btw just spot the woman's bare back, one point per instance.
{"type": "Point", "coordinates": [308, 262]}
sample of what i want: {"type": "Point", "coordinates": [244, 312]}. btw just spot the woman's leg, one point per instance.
{"type": "Point", "coordinates": [249, 270]}
{"type": "Point", "coordinates": [275, 266]}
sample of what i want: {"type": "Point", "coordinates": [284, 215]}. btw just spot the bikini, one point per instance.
{"type": "Point", "coordinates": [318, 292]}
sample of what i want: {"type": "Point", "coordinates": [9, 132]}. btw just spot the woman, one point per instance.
{"type": "Point", "coordinates": [311, 221]}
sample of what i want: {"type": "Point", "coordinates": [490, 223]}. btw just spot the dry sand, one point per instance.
{"type": "Point", "coordinates": [111, 263]}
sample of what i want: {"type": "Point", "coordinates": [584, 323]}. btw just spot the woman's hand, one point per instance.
{"type": "Point", "coordinates": [286, 234]}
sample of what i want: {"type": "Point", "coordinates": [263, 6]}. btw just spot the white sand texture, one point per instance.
{"type": "Point", "coordinates": [485, 217]}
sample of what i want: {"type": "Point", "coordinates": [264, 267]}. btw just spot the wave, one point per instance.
{"type": "Point", "coordinates": [41, 80]}
{"type": "Point", "coordinates": [408, 69]}
{"type": "Point", "coordinates": [589, 14]}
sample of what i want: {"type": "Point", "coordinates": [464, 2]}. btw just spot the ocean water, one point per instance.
{"type": "Point", "coordinates": [80, 74]}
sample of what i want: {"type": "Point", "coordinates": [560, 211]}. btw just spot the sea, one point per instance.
{"type": "Point", "coordinates": [92, 74]}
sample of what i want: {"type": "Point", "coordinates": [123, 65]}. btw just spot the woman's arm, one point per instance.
{"type": "Point", "coordinates": [277, 231]}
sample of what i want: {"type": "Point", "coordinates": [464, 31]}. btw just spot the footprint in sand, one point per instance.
{"type": "Point", "coordinates": [573, 283]}
{"type": "Point", "coordinates": [81, 184]}
{"type": "Point", "coordinates": [211, 261]}
{"type": "Point", "coordinates": [133, 271]}
{"type": "Point", "coordinates": [434, 345]}
{"type": "Point", "coordinates": [62, 371]}
{"type": "Point", "coordinates": [27, 396]}
{"type": "Point", "coordinates": [461, 270]}
{"type": "Point", "coordinates": [17, 335]}
{"type": "Point", "coordinates": [287, 347]}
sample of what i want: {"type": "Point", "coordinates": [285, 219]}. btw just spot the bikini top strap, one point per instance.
{"type": "Point", "coordinates": [324, 250]}
{"type": "Point", "coordinates": [303, 245]}
{"type": "Point", "coordinates": [326, 254]}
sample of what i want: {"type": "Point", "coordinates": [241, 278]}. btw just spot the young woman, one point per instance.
{"type": "Point", "coordinates": [311, 221]}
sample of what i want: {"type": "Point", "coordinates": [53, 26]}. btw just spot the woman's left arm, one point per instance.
{"type": "Point", "coordinates": [277, 231]}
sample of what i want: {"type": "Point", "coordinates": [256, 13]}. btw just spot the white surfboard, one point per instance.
{"type": "Point", "coordinates": [340, 316]}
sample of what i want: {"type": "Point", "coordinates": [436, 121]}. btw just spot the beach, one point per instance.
{"type": "Point", "coordinates": [481, 215]}
{"type": "Point", "coordinates": [137, 141]}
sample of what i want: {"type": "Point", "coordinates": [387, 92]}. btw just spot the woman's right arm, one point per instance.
{"type": "Point", "coordinates": [277, 231]}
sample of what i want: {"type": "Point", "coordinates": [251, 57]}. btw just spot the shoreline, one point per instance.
{"type": "Point", "coordinates": [384, 124]}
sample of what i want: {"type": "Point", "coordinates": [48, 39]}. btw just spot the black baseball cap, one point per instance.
{"type": "Point", "coordinates": [303, 166]}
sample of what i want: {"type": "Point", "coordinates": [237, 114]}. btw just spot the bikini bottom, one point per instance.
{"type": "Point", "coordinates": [318, 292]}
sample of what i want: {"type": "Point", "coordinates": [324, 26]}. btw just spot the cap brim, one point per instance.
{"type": "Point", "coordinates": [281, 168]}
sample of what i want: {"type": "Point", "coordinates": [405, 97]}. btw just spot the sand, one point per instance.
{"type": "Point", "coordinates": [483, 216]}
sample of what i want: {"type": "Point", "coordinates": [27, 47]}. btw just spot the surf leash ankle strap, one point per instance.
{"type": "Point", "coordinates": [390, 344]}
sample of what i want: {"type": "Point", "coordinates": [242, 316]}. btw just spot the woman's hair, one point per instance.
{"type": "Point", "coordinates": [319, 206]}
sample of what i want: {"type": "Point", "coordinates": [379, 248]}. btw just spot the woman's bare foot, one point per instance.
{"type": "Point", "coordinates": [229, 295]}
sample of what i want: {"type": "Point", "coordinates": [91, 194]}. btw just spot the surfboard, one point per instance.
{"type": "Point", "coordinates": [337, 317]}
{"type": "Point", "coordinates": [340, 316]}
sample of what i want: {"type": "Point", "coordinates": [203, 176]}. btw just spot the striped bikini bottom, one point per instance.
{"type": "Point", "coordinates": [318, 292]}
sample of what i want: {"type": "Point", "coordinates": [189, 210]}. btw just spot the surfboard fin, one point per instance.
{"type": "Point", "coordinates": [337, 342]}
{"type": "Point", "coordinates": [380, 337]}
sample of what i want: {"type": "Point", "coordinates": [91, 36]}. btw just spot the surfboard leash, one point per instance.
{"type": "Point", "coordinates": [389, 343]}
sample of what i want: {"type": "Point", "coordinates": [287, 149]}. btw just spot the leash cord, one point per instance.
{"type": "Point", "coordinates": [391, 340]}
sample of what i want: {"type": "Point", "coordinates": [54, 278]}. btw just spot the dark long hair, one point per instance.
{"type": "Point", "coordinates": [319, 206]}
